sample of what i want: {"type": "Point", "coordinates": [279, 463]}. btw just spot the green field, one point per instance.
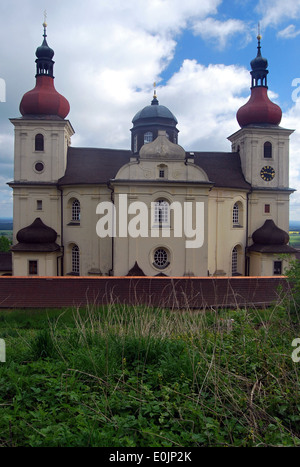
{"type": "Point", "coordinates": [294, 239]}
{"type": "Point", "coordinates": [140, 377]}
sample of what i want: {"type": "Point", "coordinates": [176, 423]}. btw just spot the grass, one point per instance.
{"type": "Point", "coordinates": [136, 377]}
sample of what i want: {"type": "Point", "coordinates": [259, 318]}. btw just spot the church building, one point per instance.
{"type": "Point", "coordinates": [154, 209]}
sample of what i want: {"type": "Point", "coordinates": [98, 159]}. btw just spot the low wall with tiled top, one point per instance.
{"type": "Point", "coordinates": [176, 292]}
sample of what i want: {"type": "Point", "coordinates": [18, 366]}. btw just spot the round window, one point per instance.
{"type": "Point", "coordinates": [39, 167]}
{"type": "Point", "coordinates": [161, 258]}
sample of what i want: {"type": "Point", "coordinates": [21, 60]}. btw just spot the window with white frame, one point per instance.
{"type": "Point", "coordinates": [75, 260]}
{"type": "Point", "coordinates": [76, 210]}
{"type": "Point", "coordinates": [235, 214]}
{"type": "Point", "coordinates": [161, 258]}
{"type": "Point", "coordinates": [148, 137]}
{"type": "Point", "coordinates": [161, 213]}
{"type": "Point", "coordinates": [234, 261]}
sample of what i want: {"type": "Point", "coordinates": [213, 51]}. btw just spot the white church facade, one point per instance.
{"type": "Point", "coordinates": [153, 209]}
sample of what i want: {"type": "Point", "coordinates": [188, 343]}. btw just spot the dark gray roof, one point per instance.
{"type": "Point", "coordinates": [154, 111]}
{"type": "Point", "coordinates": [280, 249]}
{"type": "Point", "coordinates": [222, 168]}
{"type": "Point", "coordinates": [93, 166]}
{"type": "Point", "coordinates": [98, 166]}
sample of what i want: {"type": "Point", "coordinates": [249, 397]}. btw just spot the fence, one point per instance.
{"type": "Point", "coordinates": [175, 292]}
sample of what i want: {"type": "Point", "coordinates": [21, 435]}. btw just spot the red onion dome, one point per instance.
{"type": "Point", "coordinates": [44, 99]}
{"type": "Point", "coordinates": [259, 109]}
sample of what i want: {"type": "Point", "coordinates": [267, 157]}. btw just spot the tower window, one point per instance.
{"type": "Point", "coordinates": [135, 143]}
{"type": "Point", "coordinates": [75, 260]}
{"type": "Point", "coordinates": [39, 167]}
{"type": "Point", "coordinates": [267, 150]}
{"type": "Point", "coordinates": [148, 137]}
{"type": "Point", "coordinates": [39, 205]}
{"type": "Point", "coordinates": [161, 173]}
{"type": "Point", "coordinates": [267, 208]}
{"type": "Point", "coordinates": [39, 142]}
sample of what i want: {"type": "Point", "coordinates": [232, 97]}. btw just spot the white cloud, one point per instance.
{"type": "Point", "coordinates": [276, 11]}
{"type": "Point", "coordinates": [291, 120]}
{"type": "Point", "coordinates": [289, 32]}
{"type": "Point", "coordinates": [205, 101]}
{"type": "Point", "coordinates": [221, 31]}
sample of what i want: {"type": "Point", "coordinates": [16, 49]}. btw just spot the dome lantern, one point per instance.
{"type": "Point", "coordinates": [44, 100]}
{"type": "Point", "coordinates": [148, 121]}
{"type": "Point", "coordinates": [259, 110]}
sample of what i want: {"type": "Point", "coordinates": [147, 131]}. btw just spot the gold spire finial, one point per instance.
{"type": "Point", "coordinates": [45, 19]}
{"type": "Point", "coordinates": [154, 85]}
{"type": "Point", "coordinates": [258, 32]}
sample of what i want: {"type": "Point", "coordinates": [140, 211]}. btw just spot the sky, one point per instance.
{"type": "Point", "coordinates": [108, 54]}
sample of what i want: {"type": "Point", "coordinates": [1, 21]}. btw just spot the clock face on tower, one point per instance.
{"type": "Point", "coordinates": [267, 173]}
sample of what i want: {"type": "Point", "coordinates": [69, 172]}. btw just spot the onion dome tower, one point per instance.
{"type": "Point", "coordinates": [148, 121]}
{"type": "Point", "coordinates": [269, 238]}
{"type": "Point", "coordinates": [44, 100]}
{"type": "Point", "coordinates": [36, 237]}
{"type": "Point", "coordinates": [259, 110]}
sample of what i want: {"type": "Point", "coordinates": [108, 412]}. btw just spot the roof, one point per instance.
{"type": "Point", "coordinates": [154, 111]}
{"type": "Point", "coordinates": [93, 166]}
{"type": "Point", "coordinates": [223, 169]}
{"type": "Point", "coordinates": [282, 249]}
{"type": "Point", "coordinates": [96, 166]}
{"type": "Point", "coordinates": [6, 261]}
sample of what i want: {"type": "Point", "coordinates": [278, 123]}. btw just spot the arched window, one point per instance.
{"type": "Point", "coordinates": [235, 214]}
{"type": "Point", "coordinates": [234, 261]}
{"type": "Point", "coordinates": [75, 260]}
{"type": "Point", "coordinates": [267, 150]}
{"type": "Point", "coordinates": [148, 137]}
{"type": "Point", "coordinates": [161, 213]}
{"type": "Point", "coordinates": [39, 142]}
{"type": "Point", "coordinates": [76, 210]}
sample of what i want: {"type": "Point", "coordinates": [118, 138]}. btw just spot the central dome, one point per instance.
{"type": "Point", "coordinates": [149, 121]}
{"type": "Point", "coordinates": [154, 111]}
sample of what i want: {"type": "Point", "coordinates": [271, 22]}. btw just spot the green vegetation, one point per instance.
{"type": "Point", "coordinates": [136, 377]}
{"type": "Point", "coordinates": [294, 239]}
{"type": "Point", "coordinates": [5, 243]}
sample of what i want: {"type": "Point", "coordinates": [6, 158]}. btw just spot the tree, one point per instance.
{"type": "Point", "coordinates": [4, 244]}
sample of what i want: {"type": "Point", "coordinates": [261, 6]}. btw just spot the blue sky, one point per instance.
{"type": "Point", "coordinates": [109, 53]}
